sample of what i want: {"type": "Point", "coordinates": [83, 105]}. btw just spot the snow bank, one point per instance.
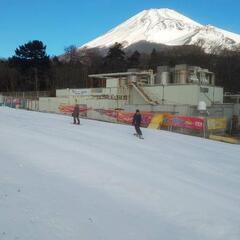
{"type": "Point", "coordinates": [97, 181]}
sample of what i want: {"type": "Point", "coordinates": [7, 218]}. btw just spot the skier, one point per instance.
{"type": "Point", "coordinates": [137, 119]}
{"type": "Point", "coordinates": [75, 114]}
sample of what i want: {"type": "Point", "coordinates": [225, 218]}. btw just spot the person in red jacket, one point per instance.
{"type": "Point", "coordinates": [75, 114]}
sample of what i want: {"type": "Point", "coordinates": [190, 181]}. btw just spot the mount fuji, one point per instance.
{"type": "Point", "coordinates": [165, 27]}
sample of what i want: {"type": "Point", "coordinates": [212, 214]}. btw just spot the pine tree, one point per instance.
{"type": "Point", "coordinates": [115, 59]}
{"type": "Point", "coordinates": [134, 60]}
{"type": "Point", "coordinates": [153, 62]}
{"type": "Point", "coordinates": [32, 62]}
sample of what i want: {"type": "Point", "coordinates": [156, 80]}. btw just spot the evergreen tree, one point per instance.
{"type": "Point", "coordinates": [9, 77]}
{"type": "Point", "coordinates": [33, 63]}
{"type": "Point", "coordinates": [134, 60]}
{"type": "Point", "coordinates": [115, 59]}
{"type": "Point", "coordinates": [154, 60]}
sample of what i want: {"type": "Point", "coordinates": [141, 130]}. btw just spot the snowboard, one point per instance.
{"type": "Point", "coordinates": [136, 135]}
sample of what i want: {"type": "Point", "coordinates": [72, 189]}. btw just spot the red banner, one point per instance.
{"type": "Point", "coordinates": [108, 112]}
{"type": "Point", "coordinates": [127, 117]}
{"type": "Point", "coordinates": [184, 122]}
{"type": "Point", "coordinates": [69, 108]}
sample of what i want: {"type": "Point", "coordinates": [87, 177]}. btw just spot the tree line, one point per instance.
{"type": "Point", "coordinates": [32, 69]}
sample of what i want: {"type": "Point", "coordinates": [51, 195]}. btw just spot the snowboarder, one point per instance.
{"type": "Point", "coordinates": [137, 119]}
{"type": "Point", "coordinates": [75, 114]}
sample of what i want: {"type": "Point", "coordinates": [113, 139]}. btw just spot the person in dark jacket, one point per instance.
{"type": "Point", "coordinates": [75, 114]}
{"type": "Point", "coordinates": [137, 119]}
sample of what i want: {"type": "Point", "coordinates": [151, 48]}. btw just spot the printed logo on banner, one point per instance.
{"type": "Point", "coordinates": [184, 122]}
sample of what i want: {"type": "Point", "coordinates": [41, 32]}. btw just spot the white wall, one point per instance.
{"type": "Point", "coordinates": [214, 95]}
{"type": "Point", "coordinates": [173, 94]}
{"type": "Point", "coordinates": [112, 82]}
{"type": "Point", "coordinates": [181, 94]}
{"type": "Point", "coordinates": [52, 104]}
{"type": "Point", "coordinates": [62, 92]}
{"type": "Point", "coordinates": [237, 109]}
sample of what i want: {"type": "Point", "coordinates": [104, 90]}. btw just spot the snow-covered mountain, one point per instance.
{"type": "Point", "coordinates": [168, 27]}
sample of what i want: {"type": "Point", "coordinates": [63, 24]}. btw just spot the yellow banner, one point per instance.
{"type": "Point", "coordinates": [156, 121]}
{"type": "Point", "coordinates": [216, 123]}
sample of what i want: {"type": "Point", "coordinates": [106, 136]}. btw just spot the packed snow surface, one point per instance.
{"type": "Point", "coordinates": [165, 26]}
{"type": "Point", "coordinates": [98, 181]}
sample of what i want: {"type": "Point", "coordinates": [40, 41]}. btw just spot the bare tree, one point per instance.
{"type": "Point", "coordinates": [71, 54]}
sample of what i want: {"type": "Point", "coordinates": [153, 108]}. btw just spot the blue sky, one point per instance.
{"type": "Point", "coordinates": [60, 23]}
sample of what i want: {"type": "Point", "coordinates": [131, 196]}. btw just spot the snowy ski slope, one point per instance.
{"type": "Point", "coordinates": [97, 181]}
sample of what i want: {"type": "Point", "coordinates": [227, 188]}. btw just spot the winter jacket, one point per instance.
{"type": "Point", "coordinates": [137, 119]}
{"type": "Point", "coordinates": [76, 111]}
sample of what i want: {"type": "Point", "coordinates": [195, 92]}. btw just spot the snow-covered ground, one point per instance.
{"type": "Point", "coordinates": [97, 181]}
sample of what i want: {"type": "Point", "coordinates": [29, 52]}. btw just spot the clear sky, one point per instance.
{"type": "Point", "coordinates": [60, 23]}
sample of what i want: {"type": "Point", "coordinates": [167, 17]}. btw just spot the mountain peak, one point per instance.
{"type": "Point", "coordinates": [165, 26]}
{"type": "Point", "coordinates": [163, 14]}
{"type": "Point", "coordinates": [161, 10]}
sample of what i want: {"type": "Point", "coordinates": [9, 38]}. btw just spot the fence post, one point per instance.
{"type": "Point", "coordinates": [204, 127]}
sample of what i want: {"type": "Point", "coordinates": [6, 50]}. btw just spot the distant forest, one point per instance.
{"type": "Point", "coordinates": [32, 69]}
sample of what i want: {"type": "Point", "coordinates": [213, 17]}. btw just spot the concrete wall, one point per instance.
{"type": "Point", "coordinates": [168, 94]}
{"type": "Point", "coordinates": [237, 109]}
{"type": "Point", "coordinates": [93, 104]}
{"type": "Point", "coordinates": [112, 82]}
{"type": "Point", "coordinates": [62, 92]}
{"type": "Point", "coordinates": [216, 110]}
{"type": "Point", "coordinates": [94, 100]}
{"type": "Point", "coordinates": [183, 110]}
{"type": "Point", "coordinates": [178, 99]}
{"type": "Point", "coordinates": [173, 94]}
{"type": "Point", "coordinates": [213, 94]}
{"type": "Point", "coordinates": [88, 92]}
{"type": "Point", "coordinates": [181, 94]}
{"type": "Point", "coordinates": [177, 94]}
{"type": "Point", "coordinates": [52, 104]}
{"type": "Point", "coordinates": [135, 97]}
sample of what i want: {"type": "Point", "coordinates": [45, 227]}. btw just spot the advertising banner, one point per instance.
{"type": "Point", "coordinates": [69, 108]}
{"type": "Point", "coordinates": [156, 121]}
{"type": "Point", "coordinates": [184, 122]}
{"type": "Point", "coordinates": [127, 117]}
{"type": "Point", "coordinates": [107, 112]}
{"type": "Point", "coordinates": [216, 123]}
